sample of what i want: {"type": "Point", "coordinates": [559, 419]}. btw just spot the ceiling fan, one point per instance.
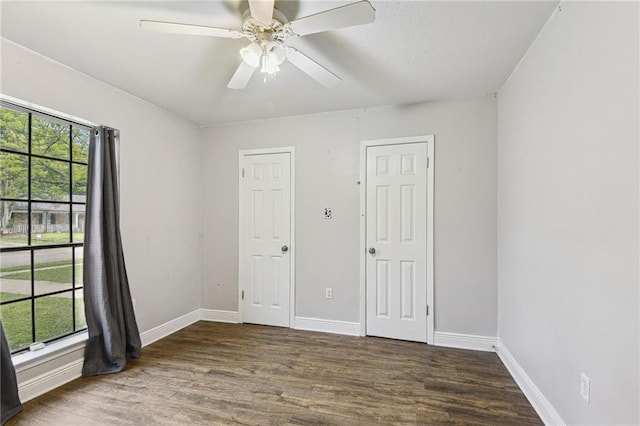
{"type": "Point", "coordinates": [268, 29]}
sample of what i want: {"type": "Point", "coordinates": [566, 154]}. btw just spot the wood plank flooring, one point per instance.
{"type": "Point", "coordinates": [213, 373]}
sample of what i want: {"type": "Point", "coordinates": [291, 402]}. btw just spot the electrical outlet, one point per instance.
{"type": "Point", "coordinates": [585, 386]}
{"type": "Point", "coordinates": [328, 293]}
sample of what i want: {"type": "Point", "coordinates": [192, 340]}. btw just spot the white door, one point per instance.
{"type": "Point", "coordinates": [265, 221]}
{"type": "Point", "coordinates": [396, 241]}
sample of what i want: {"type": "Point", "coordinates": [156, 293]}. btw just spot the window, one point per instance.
{"type": "Point", "coordinates": [43, 186]}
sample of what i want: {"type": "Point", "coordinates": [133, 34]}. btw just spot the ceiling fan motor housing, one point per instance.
{"type": "Point", "coordinates": [255, 29]}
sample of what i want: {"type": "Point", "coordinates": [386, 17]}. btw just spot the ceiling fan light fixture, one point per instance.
{"type": "Point", "coordinates": [277, 52]}
{"type": "Point", "coordinates": [269, 65]}
{"type": "Point", "coordinates": [251, 54]}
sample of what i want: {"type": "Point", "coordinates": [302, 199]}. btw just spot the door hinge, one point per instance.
{"type": "Point", "coordinates": [243, 172]}
{"type": "Point", "coordinates": [427, 310]}
{"type": "Point", "coordinates": [242, 294]}
{"type": "Point", "coordinates": [427, 162]}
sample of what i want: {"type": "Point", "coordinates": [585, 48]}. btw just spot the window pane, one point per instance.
{"type": "Point", "coordinates": [14, 224]}
{"type": "Point", "coordinates": [53, 270]}
{"type": "Point", "coordinates": [49, 138]}
{"type": "Point", "coordinates": [79, 188]}
{"type": "Point", "coordinates": [79, 251]}
{"type": "Point", "coordinates": [80, 144]}
{"type": "Point", "coordinates": [14, 130]}
{"type": "Point", "coordinates": [78, 223]}
{"type": "Point", "coordinates": [49, 223]}
{"type": "Point", "coordinates": [54, 316]}
{"type": "Point", "coordinates": [13, 175]}
{"type": "Point", "coordinates": [16, 318]}
{"type": "Point", "coordinates": [15, 275]}
{"type": "Point", "coordinates": [81, 321]}
{"type": "Point", "coordinates": [49, 180]}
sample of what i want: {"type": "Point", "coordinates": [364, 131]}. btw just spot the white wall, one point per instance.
{"type": "Point", "coordinates": [160, 180]}
{"type": "Point", "coordinates": [568, 212]}
{"type": "Point", "coordinates": [327, 169]}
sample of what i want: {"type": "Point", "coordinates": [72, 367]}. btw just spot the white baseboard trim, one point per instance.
{"type": "Point", "coordinates": [219, 316]}
{"type": "Point", "coordinates": [169, 327]}
{"type": "Point", "coordinates": [327, 326]}
{"type": "Point", "coordinates": [52, 379]}
{"type": "Point", "coordinates": [465, 341]}
{"type": "Point", "coordinates": [540, 403]}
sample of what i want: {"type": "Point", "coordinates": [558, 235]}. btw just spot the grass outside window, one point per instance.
{"type": "Point", "coordinates": [53, 314]}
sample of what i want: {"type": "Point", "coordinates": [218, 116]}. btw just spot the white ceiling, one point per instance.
{"type": "Point", "coordinates": [414, 51]}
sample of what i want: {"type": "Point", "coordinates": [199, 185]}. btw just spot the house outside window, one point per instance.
{"type": "Point", "coordinates": [43, 181]}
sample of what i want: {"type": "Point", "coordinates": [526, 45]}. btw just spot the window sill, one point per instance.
{"type": "Point", "coordinates": [53, 350]}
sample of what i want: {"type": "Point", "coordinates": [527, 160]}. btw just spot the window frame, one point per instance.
{"type": "Point", "coordinates": [32, 248]}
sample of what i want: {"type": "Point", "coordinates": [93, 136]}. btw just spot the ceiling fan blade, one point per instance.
{"type": "Point", "coordinates": [262, 11]}
{"type": "Point", "coordinates": [314, 69]}
{"type": "Point", "coordinates": [188, 29]}
{"type": "Point", "coordinates": [241, 77]}
{"type": "Point", "coordinates": [344, 16]}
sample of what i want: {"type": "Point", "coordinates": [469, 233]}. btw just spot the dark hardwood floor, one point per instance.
{"type": "Point", "coordinates": [213, 373]}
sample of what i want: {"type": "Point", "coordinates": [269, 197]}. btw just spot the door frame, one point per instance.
{"type": "Point", "coordinates": [292, 246]}
{"type": "Point", "coordinates": [429, 140]}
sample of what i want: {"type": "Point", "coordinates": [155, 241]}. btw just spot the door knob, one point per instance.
{"type": "Point", "coordinates": [372, 251]}
{"type": "Point", "coordinates": [284, 249]}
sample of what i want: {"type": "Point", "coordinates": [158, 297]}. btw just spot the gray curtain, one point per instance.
{"type": "Point", "coordinates": [114, 338]}
{"type": "Point", "coordinates": [9, 386]}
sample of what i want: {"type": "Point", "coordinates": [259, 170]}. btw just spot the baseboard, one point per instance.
{"type": "Point", "coordinates": [465, 341]}
{"type": "Point", "coordinates": [540, 403]}
{"type": "Point", "coordinates": [169, 327]}
{"type": "Point", "coordinates": [327, 326]}
{"type": "Point", "coordinates": [52, 379]}
{"type": "Point", "coordinates": [219, 316]}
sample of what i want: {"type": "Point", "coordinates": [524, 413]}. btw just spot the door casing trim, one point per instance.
{"type": "Point", "coordinates": [429, 140]}
{"type": "Point", "coordinates": [292, 243]}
